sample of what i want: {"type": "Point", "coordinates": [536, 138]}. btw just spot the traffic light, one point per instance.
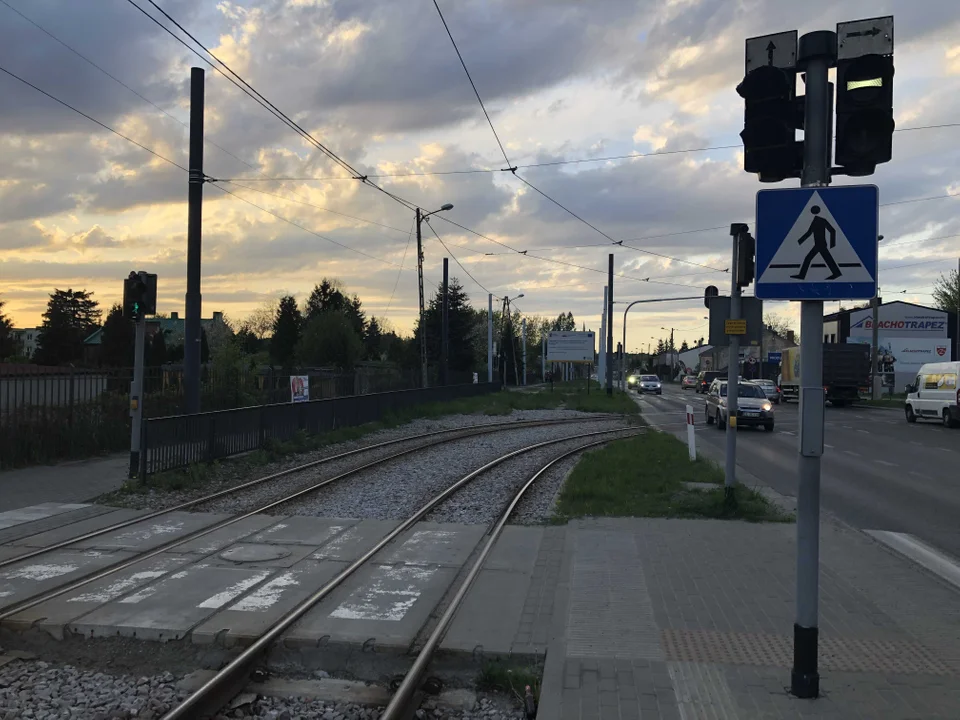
{"type": "Point", "coordinates": [864, 113]}
{"type": "Point", "coordinates": [746, 259]}
{"type": "Point", "coordinates": [771, 117]}
{"type": "Point", "coordinates": [708, 294]}
{"type": "Point", "coordinates": [139, 295]}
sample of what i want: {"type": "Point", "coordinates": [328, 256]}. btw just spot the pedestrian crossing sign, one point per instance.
{"type": "Point", "coordinates": [817, 243]}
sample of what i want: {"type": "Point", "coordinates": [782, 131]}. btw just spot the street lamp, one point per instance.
{"type": "Point", "coordinates": [421, 216]}
{"type": "Point", "coordinates": [504, 319]}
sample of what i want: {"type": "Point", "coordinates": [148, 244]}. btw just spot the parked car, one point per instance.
{"type": "Point", "coordinates": [753, 407]}
{"type": "Point", "coordinates": [649, 384]}
{"type": "Point", "coordinates": [935, 394]}
{"type": "Point", "coordinates": [770, 389]}
{"type": "Point", "coordinates": [706, 378]}
{"type": "Point", "coordinates": [689, 381]}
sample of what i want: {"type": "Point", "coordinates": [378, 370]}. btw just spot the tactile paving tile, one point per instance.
{"type": "Point", "coordinates": [846, 655]}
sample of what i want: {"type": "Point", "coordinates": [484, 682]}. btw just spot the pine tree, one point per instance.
{"type": "Point", "coordinates": [373, 340]}
{"type": "Point", "coordinates": [157, 350]}
{"type": "Point", "coordinates": [286, 332]}
{"type": "Point", "coordinates": [329, 339]}
{"type": "Point", "coordinates": [6, 335]}
{"type": "Point", "coordinates": [684, 347]}
{"type": "Point", "coordinates": [118, 339]}
{"type": "Point", "coordinates": [460, 324]}
{"type": "Point", "coordinates": [70, 317]}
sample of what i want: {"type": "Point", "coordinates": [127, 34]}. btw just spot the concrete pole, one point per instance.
{"type": "Point", "coordinates": [191, 330]}
{"type": "Point", "coordinates": [490, 337]}
{"type": "Point", "coordinates": [136, 397]}
{"type": "Point", "coordinates": [601, 355]}
{"type": "Point", "coordinates": [609, 367]}
{"type": "Point", "coordinates": [817, 54]}
{"type": "Point", "coordinates": [875, 350]}
{"type": "Point", "coordinates": [445, 328]}
{"type": "Point", "coordinates": [733, 380]}
{"type": "Point", "coordinates": [423, 321]}
{"type": "Point", "coordinates": [543, 360]}
{"type": "Point", "coordinates": [523, 334]}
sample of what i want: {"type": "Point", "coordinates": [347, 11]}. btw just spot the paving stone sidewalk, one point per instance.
{"type": "Point", "coordinates": [691, 619]}
{"type": "Point", "coordinates": [67, 482]}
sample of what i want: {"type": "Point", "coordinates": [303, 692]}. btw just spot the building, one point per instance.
{"type": "Point", "coordinates": [173, 329]}
{"type": "Point", "coordinates": [909, 335]}
{"type": "Point", "coordinates": [755, 360]}
{"type": "Point", "coordinates": [25, 341]}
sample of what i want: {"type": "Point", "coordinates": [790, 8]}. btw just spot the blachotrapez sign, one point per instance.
{"type": "Point", "coordinates": [900, 320]}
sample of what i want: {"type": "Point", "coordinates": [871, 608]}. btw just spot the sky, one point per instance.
{"type": "Point", "coordinates": [379, 83]}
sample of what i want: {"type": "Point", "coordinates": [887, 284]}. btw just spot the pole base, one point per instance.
{"type": "Point", "coordinates": [729, 499]}
{"type": "Point", "coordinates": [134, 464]}
{"type": "Point", "coordinates": [804, 678]}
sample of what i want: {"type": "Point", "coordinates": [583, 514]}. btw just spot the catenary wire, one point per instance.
{"type": "Point", "coordinates": [400, 271]}
{"type": "Point", "coordinates": [456, 260]}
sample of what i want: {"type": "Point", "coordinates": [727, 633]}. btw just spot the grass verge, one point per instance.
{"type": "Point", "coordinates": [887, 402]}
{"type": "Point", "coordinates": [202, 475]}
{"type": "Point", "coordinates": [645, 476]}
{"type": "Point", "coordinates": [496, 676]}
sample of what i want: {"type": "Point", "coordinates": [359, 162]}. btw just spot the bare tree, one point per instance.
{"type": "Point", "coordinates": [260, 321]}
{"type": "Point", "coordinates": [779, 324]}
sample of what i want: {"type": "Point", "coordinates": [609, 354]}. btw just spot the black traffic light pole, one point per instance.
{"type": "Point", "coordinates": [136, 397]}
{"type": "Point", "coordinates": [191, 334]}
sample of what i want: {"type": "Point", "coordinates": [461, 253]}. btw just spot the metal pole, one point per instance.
{"type": "Point", "coordinates": [957, 356]}
{"type": "Point", "coordinates": [609, 367]}
{"type": "Point", "coordinates": [136, 397]}
{"type": "Point", "coordinates": [602, 356]}
{"type": "Point", "coordinates": [445, 329]}
{"type": "Point", "coordinates": [423, 324]}
{"type": "Point", "coordinates": [490, 337]}
{"type": "Point", "coordinates": [543, 359]}
{"type": "Point", "coordinates": [733, 382]}
{"type": "Point", "coordinates": [191, 333]}
{"type": "Point", "coordinates": [817, 53]}
{"type": "Point", "coordinates": [523, 334]}
{"type": "Point", "coordinates": [875, 350]}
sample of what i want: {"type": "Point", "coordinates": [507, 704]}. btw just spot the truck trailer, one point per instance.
{"type": "Point", "coordinates": [846, 372]}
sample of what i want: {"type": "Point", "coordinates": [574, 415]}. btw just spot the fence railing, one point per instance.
{"type": "Point", "coordinates": [58, 413]}
{"type": "Point", "coordinates": [180, 440]}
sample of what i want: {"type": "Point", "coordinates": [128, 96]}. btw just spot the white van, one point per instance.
{"type": "Point", "coordinates": [935, 394]}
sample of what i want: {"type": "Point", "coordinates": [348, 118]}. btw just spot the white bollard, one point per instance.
{"type": "Point", "coordinates": [691, 441]}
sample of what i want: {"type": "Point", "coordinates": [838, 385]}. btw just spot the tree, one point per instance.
{"type": "Point", "coordinates": [662, 346]}
{"type": "Point", "coordinates": [286, 331]}
{"type": "Point", "coordinates": [778, 324]}
{"type": "Point", "coordinates": [204, 347]}
{"type": "Point", "coordinates": [460, 323]}
{"type": "Point", "coordinates": [70, 317]}
{"type": "Point", "coordinates": [157, 350]}
{"type": "Point", "coordinates": [373, 340]}
{"type": "Point", "coordinates": [6, 335]}
{"type": "Point", "coordinates": [353, 310]}
{"type": "Point", "coordinates": [684, 347]}
{"type": "Point", "coordinates": [564, 323]}
{"type": "Point", "coordinates": [325, 297]}
{"type": "Point", "coordinates": [329, 339]}
{"type": "Point", "coordinates": [247, 341]}
{"type": "Point", "coordinates": [260, 322]}
{"type": "Point", "coordinates": [946, 292]}
{"type": "Point", "coordinates": [118, 339]}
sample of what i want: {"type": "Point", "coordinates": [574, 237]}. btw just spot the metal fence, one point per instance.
{"type": "Point", "coordinates": [177, 441]}
{"type": "Point", "coordinates": [57, 413]}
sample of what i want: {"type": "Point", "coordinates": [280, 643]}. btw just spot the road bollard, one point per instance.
{"type": "Point", "coordinates": [691, 440]}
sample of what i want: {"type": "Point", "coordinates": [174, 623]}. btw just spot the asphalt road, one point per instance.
{"type": "Point", "coordinates": [877, 472]}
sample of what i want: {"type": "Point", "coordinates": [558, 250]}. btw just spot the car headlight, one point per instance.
{"type": "Point", "coordinates": [632, 379]}
{"type": "Point", "coordinates": [766, 407]}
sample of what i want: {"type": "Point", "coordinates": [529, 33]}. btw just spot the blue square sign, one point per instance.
{"type": "Point", "coordinates": [817, 243]}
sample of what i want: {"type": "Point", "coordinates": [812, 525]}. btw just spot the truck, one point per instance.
{"type": "Point", "coordinates": [846, 372]}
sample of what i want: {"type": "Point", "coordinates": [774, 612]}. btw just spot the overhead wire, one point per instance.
{"type": "Point", "coordinates": [400, 271]}
{"type": "Point", "coordinates": [456, 260]}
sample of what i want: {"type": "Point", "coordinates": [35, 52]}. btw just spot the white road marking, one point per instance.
{"type": "Point", "coordinates": [378, 602]}
{"type": "Point", "coordinates": [786, 432]}
{"type": "Point", "coordinates": [865, 432]}
{"type": "Point", "coordinates": [224, 596]}
{"type": "Point", "coordinates": [40, 572]}
{"type": "Point", "coordinates": [916, 442]}
{"type": "Point", "coordinates": [115, 590]}
{"type": "Point", "coordinates": [851, 452]}
{"type": "Point", "coordinates": [921, 553]}
{"type": "Point", "coordinates": [884, 462]}
{"type": "Point", "coordinates": [146, 533]}
{"type": "Point", "coordinates": [847, 427]}
{"type": "Point", "coordinates": [268, 594]}
{"type": "Point", "coordinates": [828, 446]}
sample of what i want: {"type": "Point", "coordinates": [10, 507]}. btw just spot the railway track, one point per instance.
{"type": "Point", "coordinates": [433, 439]}
{"type": "Point", "coordinates": [228, 682]}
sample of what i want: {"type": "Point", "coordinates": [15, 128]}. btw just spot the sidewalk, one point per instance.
{"type": "Point", "coordinates": [68, 482]}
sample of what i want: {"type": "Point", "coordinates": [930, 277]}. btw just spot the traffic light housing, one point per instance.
{"type": "Point", "coordinates": [772, 114]}
{"type": "Point", "coordinates": [865, 122]}
{"type": "Point", "coordinates": [139, 295]}
{"type": "Point", "coordinates": [746, 259]}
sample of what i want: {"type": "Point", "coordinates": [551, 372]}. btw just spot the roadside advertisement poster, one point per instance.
{"type": "Point", "coordinates": [299, 388]}
{"type": "Point", "coordinates": [900, 359]}
{"type": "Point", "coordinates": [576, 347]}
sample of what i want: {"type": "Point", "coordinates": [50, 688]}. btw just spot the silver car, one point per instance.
{"type": "Point", "coordinates": [753, 407]}
{"type": "Point", "coordinates": [770, 389]}
{"type": "Point", "coordinates": [649, 384]}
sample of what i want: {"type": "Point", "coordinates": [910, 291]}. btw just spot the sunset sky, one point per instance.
{"type": "Point", "coordinates": [379, 83]}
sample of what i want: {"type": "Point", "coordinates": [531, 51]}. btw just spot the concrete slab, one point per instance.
{"type": "Point", "coordinates": [52, 522]}
{"type": "Point", "coordinates": [57, 613]}
{"type": "Point", "coordinates": [149, 534]}
{"type": "Point", "coordinates": [29, 577]}
{"type": "Point", "coordinates": [170, 607]}
{"type": "Point", "coordinates": [303, 530]}
{"type": "Point", "coordinates": [250, 616]}
{"type": "Point", "coordinates": [435, 544]}
{"type": "Point", "coordinates": [36, 512]}
{"type": "Point", "coordinates": [225, 537]}
{"type": "Point", "coordinates": [261, 555]}
{"type": "Point", "coordinates": [490, 616]}
{"type": "Point", "coordinates": [73, 530]}
{"type": "Point", "coordinates": [355, 541]}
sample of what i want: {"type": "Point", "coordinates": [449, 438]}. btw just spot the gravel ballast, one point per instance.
{"type": "Point", "coordinates": [35, 690]}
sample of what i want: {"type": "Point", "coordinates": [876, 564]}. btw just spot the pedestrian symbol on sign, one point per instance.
{"type": "Point", "coordinates": [819, 229]}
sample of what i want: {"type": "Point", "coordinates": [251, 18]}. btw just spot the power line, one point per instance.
{"type": "Point", "coordinates": [469, 274]}
{"type": "Point", "coordinates": [93, 119]}
{"type": "Point", "coordinates": [472, 83]}
{"type": "Point", "coordinates": [400, 271]}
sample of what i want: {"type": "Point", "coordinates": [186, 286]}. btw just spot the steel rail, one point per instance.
{"type": "Point", "coordinates": [482, 427]}
{"type": "Point", "coordinates": [27, 603]}
{"type": "Point", "coordinates": [222, 687]}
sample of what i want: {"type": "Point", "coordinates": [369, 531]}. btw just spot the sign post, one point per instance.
{"type": "Point", "coordinates": [734, 327]}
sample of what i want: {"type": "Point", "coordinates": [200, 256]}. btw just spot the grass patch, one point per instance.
{"type": "Point", "coordinates": [886, 402]}
{"type": "Point", "coordinates": [644, 476]}
{"type": "Point", "coordinates": [496, 676]}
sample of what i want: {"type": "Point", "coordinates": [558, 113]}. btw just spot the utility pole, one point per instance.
{"type": "Point", "coordinates": [875, 350]}
{"type": "Point", "coordinates": [733, 374]}
{"type": "Point", "coordinates": [423, 324]}
{"type": "Point", "coordinates": [136, 397]}
{"type": "Point", "coordinates": [609, 362]}
{"type": "Point", "coordinates": [543, 359]}
{"type": "Point", "coordinates": [504, 319]}
{"type": "Point", "coordinates": [489, 337]}
{"type": "Point", "coordinates": [817, 54]}
{"type": "Point", "coordinates": [601, 355]}
{"type": "Point", "coordinates": [445, 330]}
{"type": "Point", "coordinates": [957, 356]}
{"type": "Point", "coordinates": [523, 334]}
{"type": "Point", "coordinates": [191, 334]}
